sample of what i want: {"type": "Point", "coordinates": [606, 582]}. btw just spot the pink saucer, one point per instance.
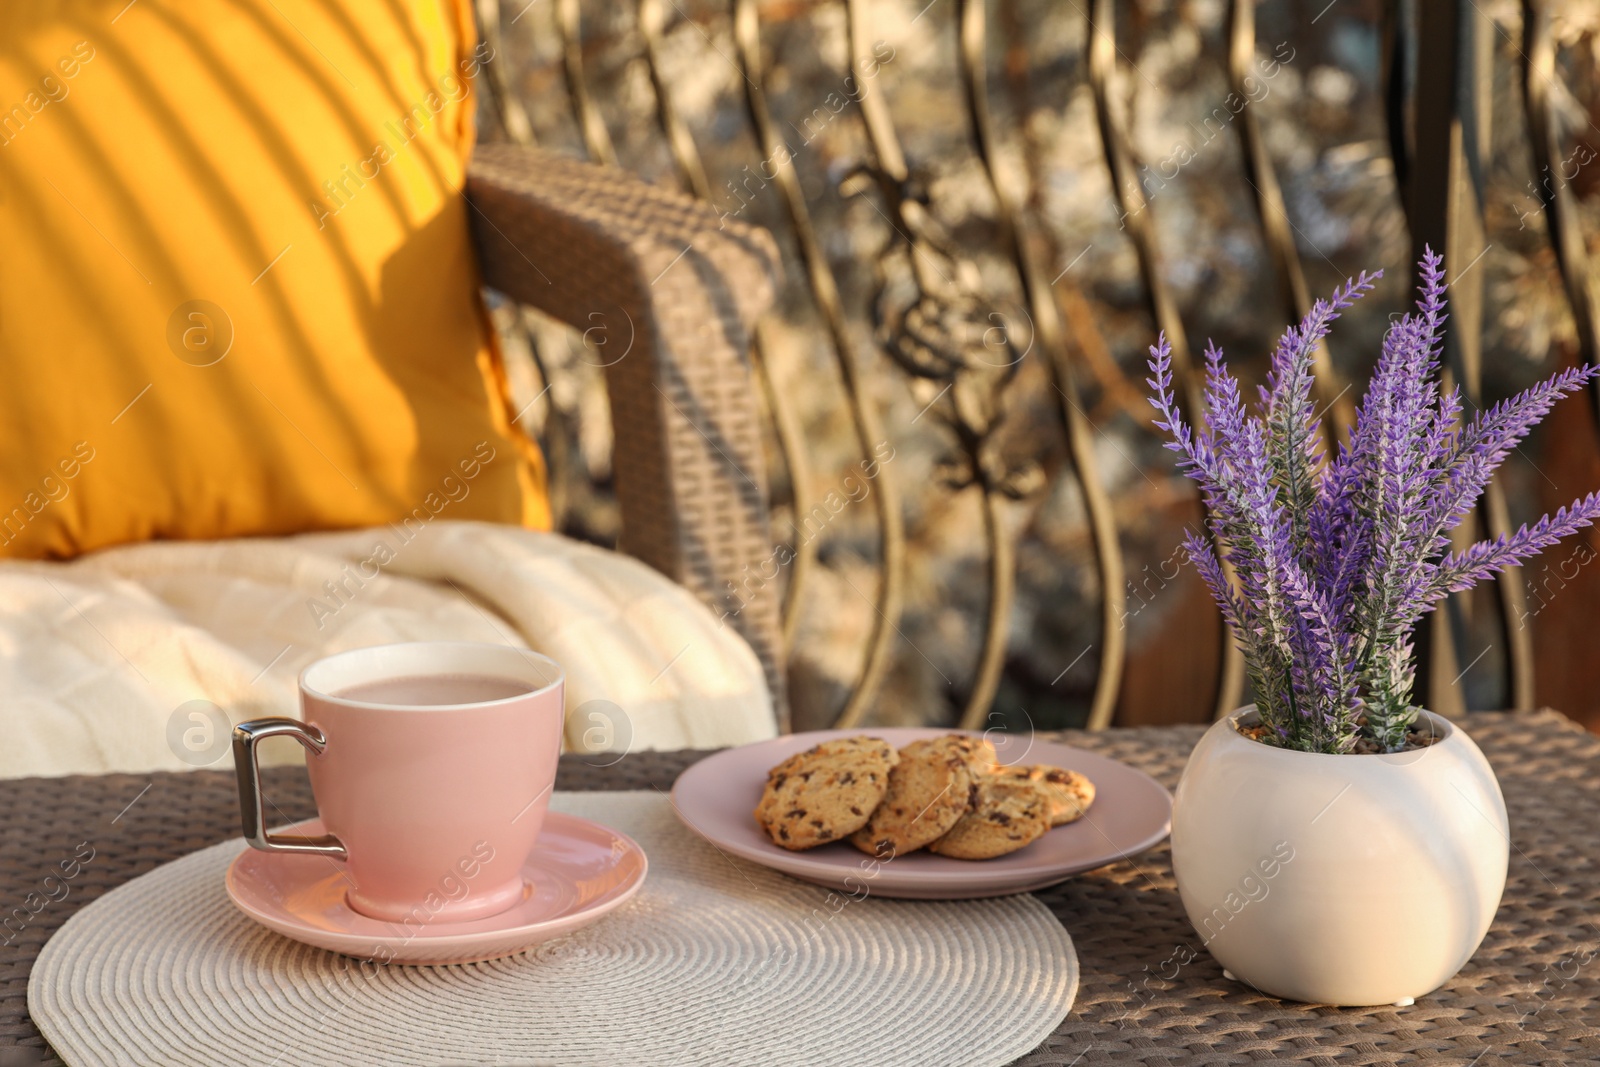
{"type": "Point", "coordinates": [579, 871]}
{"type": "Point", "coordinates": [1131, 813]}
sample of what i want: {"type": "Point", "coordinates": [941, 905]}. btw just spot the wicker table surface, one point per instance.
{"type": "Point", "coordinates": [1150, 994]}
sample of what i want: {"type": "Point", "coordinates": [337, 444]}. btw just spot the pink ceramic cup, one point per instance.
{"type": "Point", "coordinates": [432, 809]}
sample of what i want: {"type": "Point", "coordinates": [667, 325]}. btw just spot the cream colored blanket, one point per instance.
{"type": "Point", "coordinates": [104, 660]}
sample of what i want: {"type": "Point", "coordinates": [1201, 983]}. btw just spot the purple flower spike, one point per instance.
{"type": "Point", "coordinates": [1335, 560]}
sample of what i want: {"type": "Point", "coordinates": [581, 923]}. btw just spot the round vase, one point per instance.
{"type": "Point", "coordinates": [1339, 879]}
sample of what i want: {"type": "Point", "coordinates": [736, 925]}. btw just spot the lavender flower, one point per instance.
{"type": "Point", "coordinates": [1334, 561]}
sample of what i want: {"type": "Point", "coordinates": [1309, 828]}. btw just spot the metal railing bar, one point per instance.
{"type": "Point", "coordinates": [1049, 336]}
{"type": "Point", "coordinates": [1119, 389]}
{"type": "Point", "coordinates": [864, 416]}
{"type": "Point", "coordinates": [1104, 80]}
{"type": "Point", "coordinates": [786, 426]}
{"type": "Point", "coordinates": [792, 448]}
{"type": "Point", "coordinates": [938, 289]}
{"type": "Point", "coordinates": [1338, 411]}
{"type": "Point", "coordinates": [1555, 193]}
{"type": "Point", "coordinates": [591, 127]}
{"type": "Point", "coordinates": [1446, 212]}
{"type": "Point", "coordinates": [680, 142]}
{"type": "Point", "coordinates": [510, 115]}
{"type": "Point", "coordinates": [1002, 575]}
{"type": "Point", "coordinates": [1396, 47]}
{"type": "Point", "coordinates": [514, 124]}
{"type": "Point", "coordinates": [1510, 587]}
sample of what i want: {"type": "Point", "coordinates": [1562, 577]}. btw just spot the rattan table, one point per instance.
{"type": "Point", "coordinates": [1149, 994]}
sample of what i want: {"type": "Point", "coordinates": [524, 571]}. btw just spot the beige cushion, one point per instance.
{"type": "Point", "coordinates": [97, 654]}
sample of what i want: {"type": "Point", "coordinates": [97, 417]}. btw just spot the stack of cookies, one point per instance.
{"type": "Point", "coordinates": [950, 795]}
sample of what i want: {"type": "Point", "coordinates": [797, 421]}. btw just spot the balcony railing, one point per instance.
{"type": "Point", "coordinates": [906, 154]}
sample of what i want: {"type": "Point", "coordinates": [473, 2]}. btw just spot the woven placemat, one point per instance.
{"type": "Point", "coordinates": [712, 964]}
{"type": "Point", "coordinates": [1530, 996]}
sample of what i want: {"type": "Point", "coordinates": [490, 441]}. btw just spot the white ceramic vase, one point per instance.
{"type": "Point", "coordinates": [1355, 879]}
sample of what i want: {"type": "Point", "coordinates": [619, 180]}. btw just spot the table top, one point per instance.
{"type": "Point", "coordinates": [1149, 995]}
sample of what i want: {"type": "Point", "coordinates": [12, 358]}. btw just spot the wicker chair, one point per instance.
{"type": "Point", "coordinates": [595, 247]}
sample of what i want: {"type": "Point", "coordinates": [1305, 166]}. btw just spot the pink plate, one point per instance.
{"type": "Point", "coordinates": [1131, 812]}
{"type": "Point", "coordinates": [579, 871]}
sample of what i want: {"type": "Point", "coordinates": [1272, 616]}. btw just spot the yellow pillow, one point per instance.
{"type": "Point", "coordinates": [237, 289]}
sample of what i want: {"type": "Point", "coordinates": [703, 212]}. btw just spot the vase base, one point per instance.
{"type": "Point", "coordinates": [1403, 1002]}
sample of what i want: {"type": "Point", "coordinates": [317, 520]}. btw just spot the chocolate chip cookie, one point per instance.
{"type": "Point", "coordinates": [1070, 792]}
{"type": "Point", "coordinates": [977, 751]}
{"type": "Point", "coordinates": [930, 789]}
{"type": "Point", "coordinates": [1007, 814]}
{"type": "Point", "coordinates": [825, 793]}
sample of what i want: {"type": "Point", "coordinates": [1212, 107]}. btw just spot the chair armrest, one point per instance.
{"type": "Point", "coordinates": [674, 292]}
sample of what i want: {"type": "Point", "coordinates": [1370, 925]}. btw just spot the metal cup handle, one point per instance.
{"type": "Point", "coordinates": [245, 737]}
